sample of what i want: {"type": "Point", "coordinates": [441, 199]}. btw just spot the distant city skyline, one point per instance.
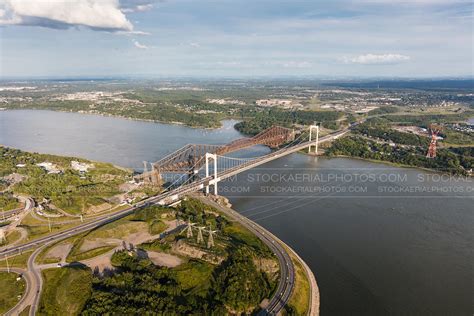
{"type": "Point", "coordinates": [145, 38]}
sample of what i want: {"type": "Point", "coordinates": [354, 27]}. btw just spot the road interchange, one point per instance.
{"type": "Point", "coordinates": [286, 284]}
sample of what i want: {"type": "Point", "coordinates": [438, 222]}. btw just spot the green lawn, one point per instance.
{"type": "Point", "coordinates": [299, 300]}
{"type": "Point", "coordinates": [89, 254]}
{"type": "Point", "coordinates": [457, 138]}
{"type": "Point", "coordinates": [241, 235]}
{"type": "Point", "coordinates": [65, 291]}
{"type": "Point", "coordinates": [194, 273]}
{"type": "Point", "coordinates": [11, 290]}
{"type": "Point", "coordinates": [11, 237]}
{"type": "Point", "coordinates": [157, 227]}
{"type": "Point", "coordinates": [8, 202]}
{"type": "Point", "coordinates": [18, 261]}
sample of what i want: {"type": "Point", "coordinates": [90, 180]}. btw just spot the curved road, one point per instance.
{"type": "Point", "coordinates": [287, 271]}
{"type": "Point", "coordinates": [24, 298]}
{"type": "Point", "coordinates": [286, 283]}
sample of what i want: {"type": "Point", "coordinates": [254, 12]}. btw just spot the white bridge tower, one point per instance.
{"type": "Point", "coordinates": [311, 127]}
{"type": "Point", "coordinates": [215, 180]}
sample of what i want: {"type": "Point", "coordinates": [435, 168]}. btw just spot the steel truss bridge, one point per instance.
{"type": "Point", "coordinates": [225, 167]}
{"type": "Point", "coordinates": [191, 157]}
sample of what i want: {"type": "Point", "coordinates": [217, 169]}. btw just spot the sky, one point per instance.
{"type": "Point", "coordinates": [236, 38]}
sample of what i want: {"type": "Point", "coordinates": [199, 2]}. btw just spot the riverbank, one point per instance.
{"type": "Point", "coordinates": [313, 303]}
{"type": "Point", "coordinates": [453, 161]}
{"type": "Point", "coordinates": [104, 114]}
{"type": "Point", "coordinates": [392, 164]}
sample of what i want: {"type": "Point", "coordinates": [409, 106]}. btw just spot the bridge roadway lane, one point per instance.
{"type": "Point", "coordinates": [163, 198]}
{"type": "Point", "coordinates": [28, 203]}
{"type": "Point", "coordinates": [11, 213]}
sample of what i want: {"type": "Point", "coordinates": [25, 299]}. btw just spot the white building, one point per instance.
{"type": "Point", "coordinates": [49, 167]}
{"type": "Point", "coordinates": [81, 166]}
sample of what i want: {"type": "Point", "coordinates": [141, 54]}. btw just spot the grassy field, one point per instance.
{"type": "Point", "coordinates": [457, 138]}
{"type": "Point", "coordinates": [194, 274]}
{"type": "Point", "coordinates": [11, 290]}
{"type": "Point", "coordinates": [240, 235]}
{"type": "Point", "coordinates": [118, 229]}
{"type": "Point", "coordinates": [88, 254]}
{"type": "Point", "coordinates": [18, 261]}
{"type": "Point", "coordinates": [25, 312]}
{"type": "Point", "coordinates": [11, 237]}
{"type": "Point", "coordinates": [66, 290]}
{"type": "Point", "coordinates": [8, 202]}
{"type": "Point", "coordinates": [42, 256]}
{"type": "Point", "coordinates": [299, 301]}
{"type": "Point", "coordinates": [156, 227]}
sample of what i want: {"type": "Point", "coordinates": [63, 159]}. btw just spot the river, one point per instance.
{"type": "Point", "coordinates": [380, 240]}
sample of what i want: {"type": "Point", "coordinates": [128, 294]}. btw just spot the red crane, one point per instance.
{"type": "Point", "coordinates": [434, 130]}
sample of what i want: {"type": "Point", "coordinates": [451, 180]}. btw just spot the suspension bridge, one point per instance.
{"type": "Point", "coordinates": [190, 158]}
{"type": "Point", "coordinates": [190, 161]}
{"type": "Point", "coordinates": [193, 160]}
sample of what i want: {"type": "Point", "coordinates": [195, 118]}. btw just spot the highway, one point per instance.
{"type": "Point", "coordinates": [284, 289]}
{"type": "Point", "coordinates": [163, 198]}
{"type": "Point", "coordinates": [28, 204]}
{"type": "Point", "coordinates": [287, 271]}
{"type": "Point", "coordinates": [11, 213]}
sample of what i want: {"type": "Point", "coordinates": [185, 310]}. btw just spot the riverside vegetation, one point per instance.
{"type": "Point", "coordinates": [68, 189]}
{"type": "Point", "coordinates": [232, 277]}
{"type": "Point", "coordinates": [375, 139]}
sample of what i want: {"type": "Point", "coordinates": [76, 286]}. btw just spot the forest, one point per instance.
{"type": "Point", "coordinates": [449, 160]}
{"type": "Point", "coordinates": [136, 286]}
{"type": "Point", "coordinates": [269, 117]}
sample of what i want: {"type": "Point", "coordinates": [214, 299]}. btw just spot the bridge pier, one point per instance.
{"type": "Point", "coordinates": [310, 138]}
{"type": "Point", "coordinates": [156, 176]}
{"type": "Point", "coordinates": [214, 158]}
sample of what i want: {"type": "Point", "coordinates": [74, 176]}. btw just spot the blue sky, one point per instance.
{"type": "Point", "coordinates": [328, 38]}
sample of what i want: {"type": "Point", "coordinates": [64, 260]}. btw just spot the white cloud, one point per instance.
{"type": "Point", "coordinates": [139, 8]}
{"type": "Point", "coordinates": [96, 14]}
{"type": "Point", "coordinates": [140, 33]}
{"type": "Point", "coordinates": [138, 45]}
{"type": "Point", "coordinates": [374, 59]}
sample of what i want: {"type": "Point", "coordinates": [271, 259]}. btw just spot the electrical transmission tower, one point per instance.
{"type": "Point", "coordinates": [188, 229]}
{"type": "Point", "coordinates": [200, 239]}
{"type": "Point", "coordinates": [434, 131]}
{"type": "Point", "coordinates": [210, 240]}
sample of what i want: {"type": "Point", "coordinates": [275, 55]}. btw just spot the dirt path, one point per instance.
{"type": "Point", "coordinates": [60, 251]}
{"type": "Point", "coordinates": [164, 259]}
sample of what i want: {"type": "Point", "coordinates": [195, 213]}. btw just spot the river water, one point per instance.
{"type": "Point", "coordinates": [380, 240]}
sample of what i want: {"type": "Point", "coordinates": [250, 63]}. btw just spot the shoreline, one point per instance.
{"type": "Point", "coordinates": [314, 298]}
{"type": "Point", "coordinates": [399, 165]}
{"type": "Point", "coordinates": [121, 117]}
{"type": "Point", "coordinates": [393, 164]}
